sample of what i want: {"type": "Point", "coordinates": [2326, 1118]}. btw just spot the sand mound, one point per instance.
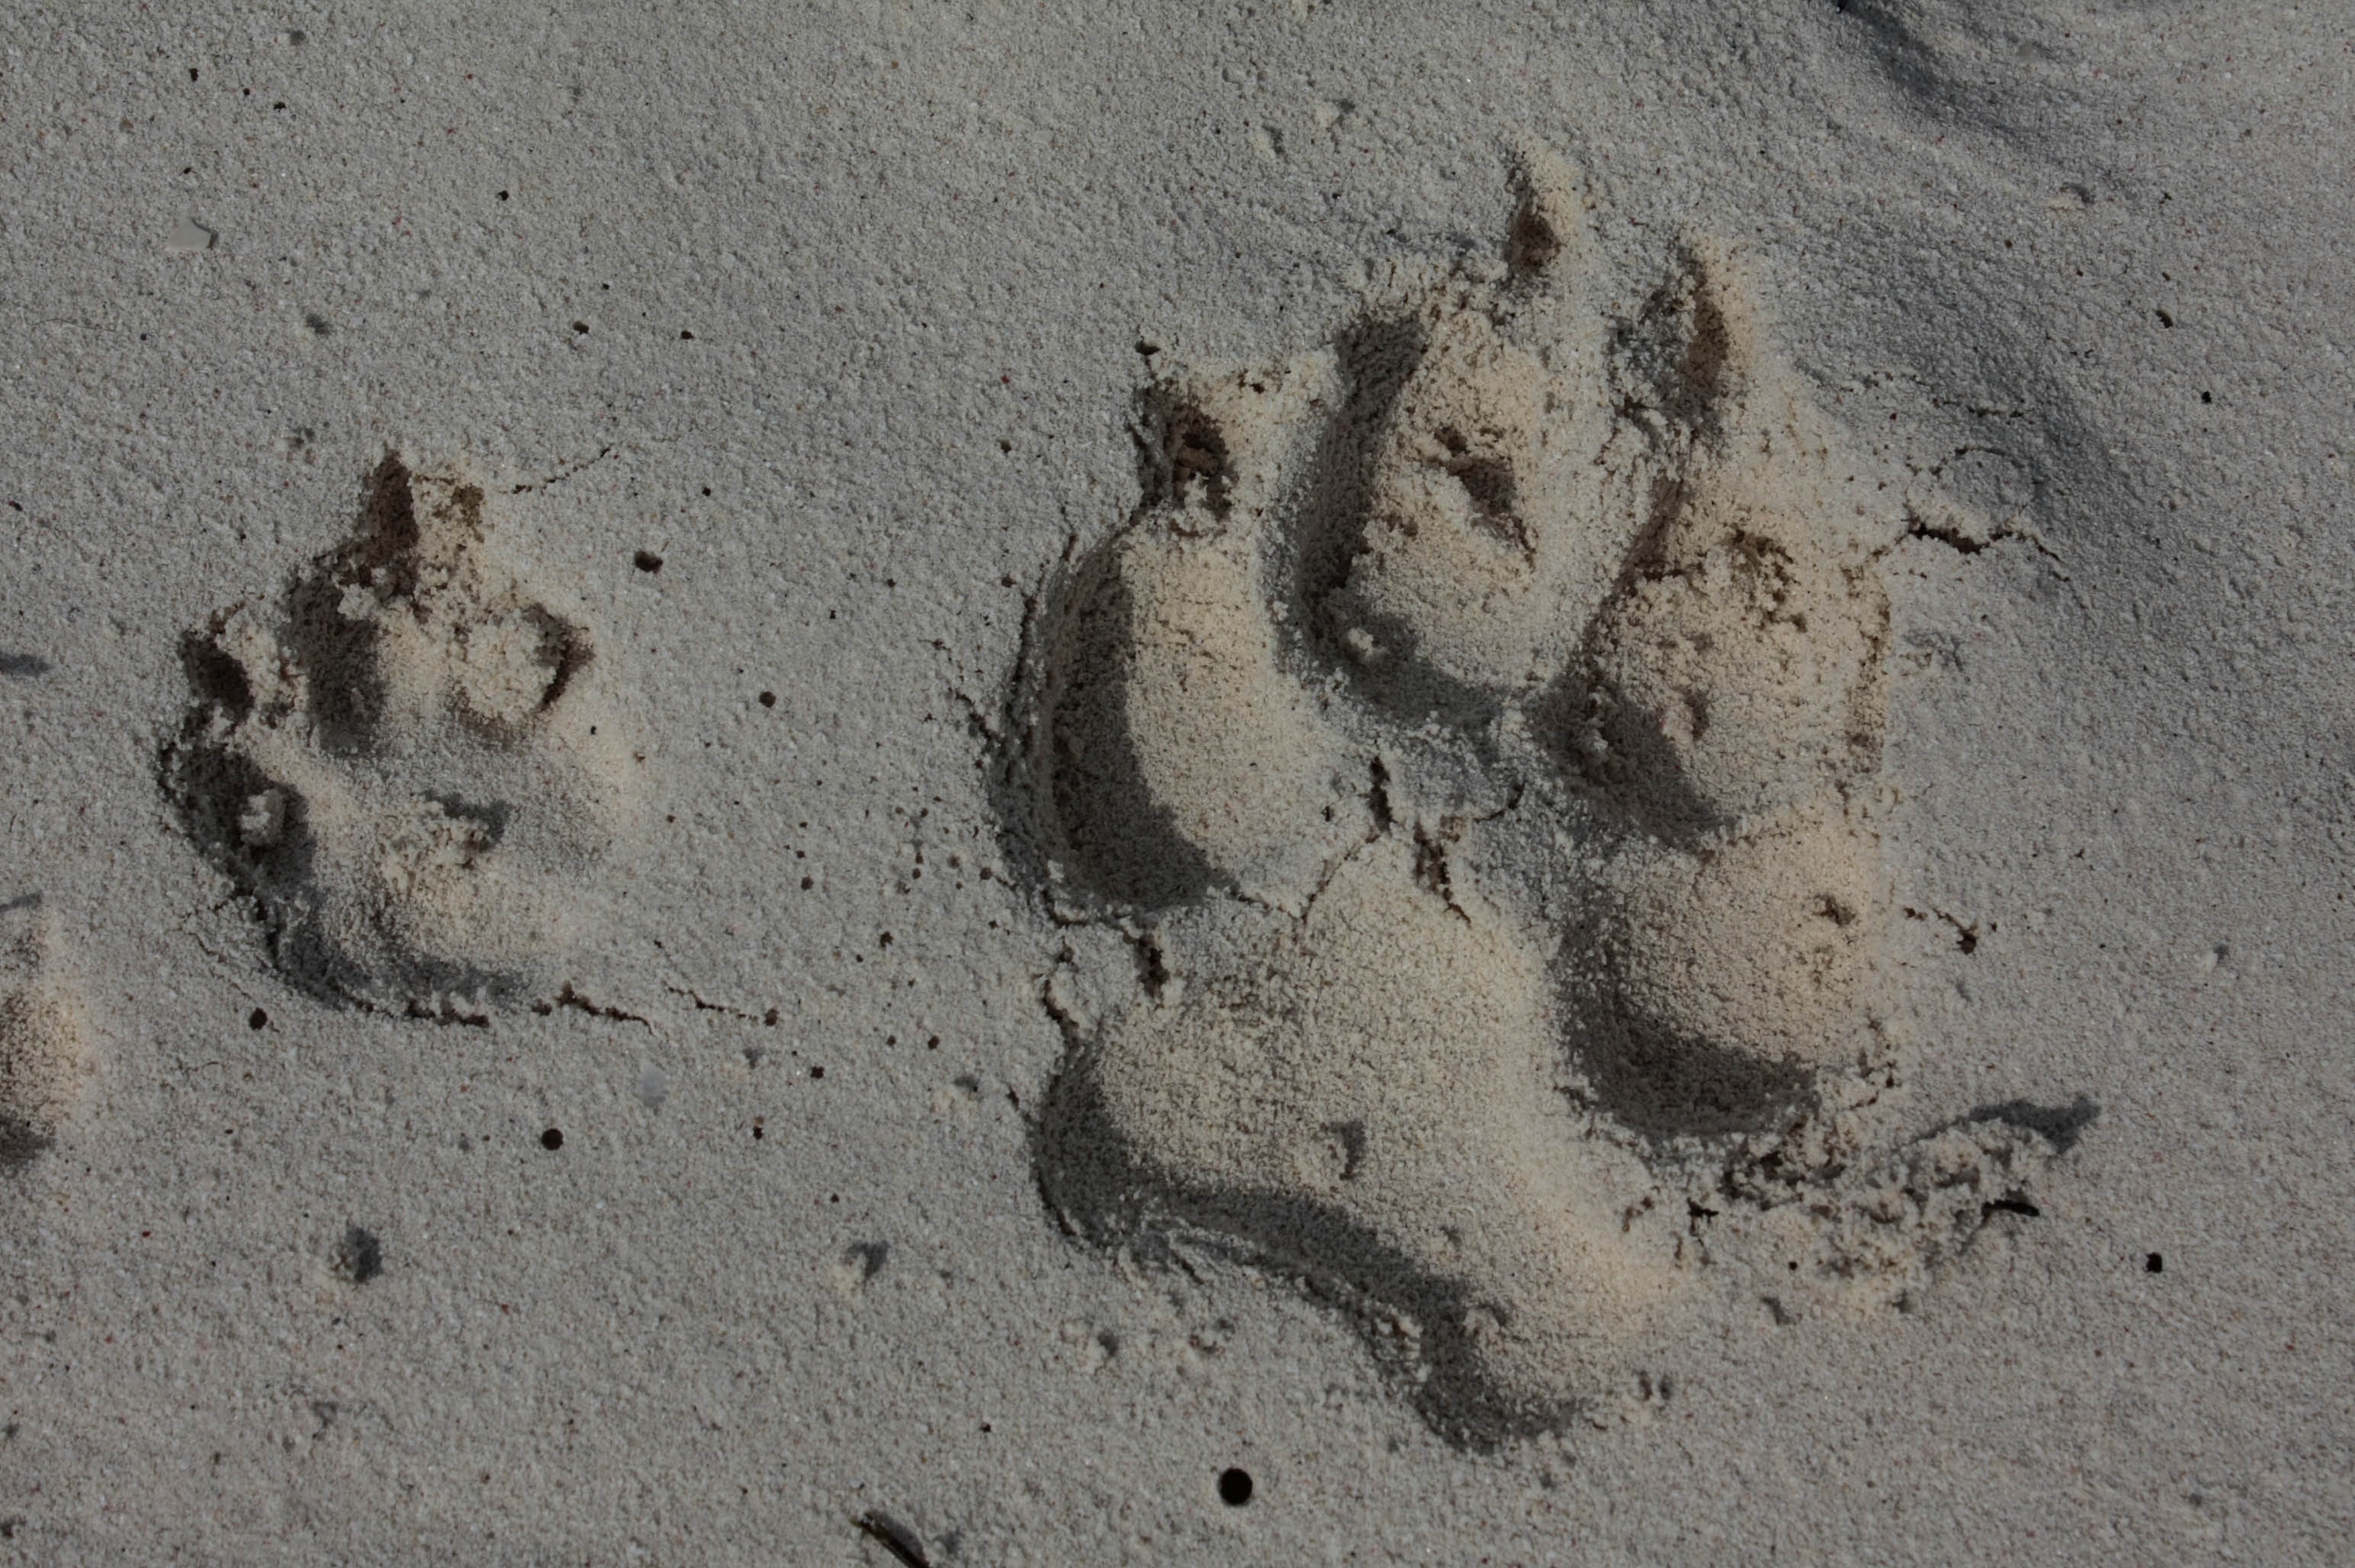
{"type": "Point", "coordinates": [42, 1037]}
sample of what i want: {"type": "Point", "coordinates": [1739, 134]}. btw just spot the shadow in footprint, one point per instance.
{"type": "Point", "coordinates": [1377, 355]}
{"type": "Point", "coordinates": [2060, 1125]}
{"type": "Point", "coordinates": [251, 827]}
{"type": "Point", "coordinates": [1667, 1083]}
{"type": "Point", "coordinates": [1099, 1190]}
{"type": "Point", "coordinates": [1118, 840]}
{"type": "Point", "coordinates": [339, 653]}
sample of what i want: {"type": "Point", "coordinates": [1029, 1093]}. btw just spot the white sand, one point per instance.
{"type": "Point", "coordinates": [1441, 752]}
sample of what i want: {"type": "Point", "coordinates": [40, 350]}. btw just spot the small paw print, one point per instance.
{"type": "Point", "coordinates": [405, 761]}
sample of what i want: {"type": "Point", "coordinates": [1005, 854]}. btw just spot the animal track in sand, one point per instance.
{"type": "Point", "coordinates": [405, 761]}
{"type": "Point", "coordinates": [42, 1035]}
{"type": "Point", "coordinates": [1474, 735]}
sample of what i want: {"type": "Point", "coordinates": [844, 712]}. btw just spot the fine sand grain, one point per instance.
{"type": "Point", "coordinates": [1311, 783]}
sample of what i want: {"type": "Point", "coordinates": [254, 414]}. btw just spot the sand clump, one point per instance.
{"type": "Point", "coordinates": [42, 1035]}
{"type": "Point", "coordinates": [1361, 1102]}
{"type": "Point", "coordinates": [1472, 734]}
{"type": "Point", "coordinates": [405, 763]}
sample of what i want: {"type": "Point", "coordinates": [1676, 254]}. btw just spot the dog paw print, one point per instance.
{"type": "Point", "coordinates": [42, 1035]}
{"type": "Point", "coordinates": [1471, 737]}
{"type": "Point", "coordinates": [404, 762]}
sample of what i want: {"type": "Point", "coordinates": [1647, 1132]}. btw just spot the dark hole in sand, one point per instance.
{"type": "Point", "coordinates": [359, 1256]}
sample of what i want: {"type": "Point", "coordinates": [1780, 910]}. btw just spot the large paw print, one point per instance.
{"type": "Point", "coordinates": [1469, 735]}
{"type": "Point", "coordinates": [404, 763]}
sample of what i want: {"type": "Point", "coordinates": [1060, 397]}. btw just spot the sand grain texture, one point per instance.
{"type": "Point", "coordinates": [1576, 781]}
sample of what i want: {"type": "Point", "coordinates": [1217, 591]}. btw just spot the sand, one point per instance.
{"type": "Point", "coordinates": [873, 785]}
